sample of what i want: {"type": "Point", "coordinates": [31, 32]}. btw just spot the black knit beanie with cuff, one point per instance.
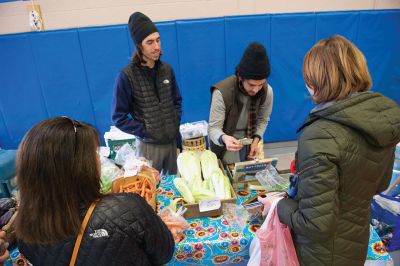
{"type": "Point", "coordinates": [254, 63]}
{"type": "Point", "coordinates": [140, 26]}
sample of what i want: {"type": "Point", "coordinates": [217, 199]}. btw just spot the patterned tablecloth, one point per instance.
{"type": "Point", "coordinates": [212, 240]}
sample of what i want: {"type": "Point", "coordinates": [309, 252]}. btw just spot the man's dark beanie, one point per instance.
{"type": "Point", "coordinates": [140, 27]}
{"type": "Point", "coordinates": [254, 63]}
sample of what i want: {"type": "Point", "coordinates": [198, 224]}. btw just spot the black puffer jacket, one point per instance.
{"type": "Point", "coordinates": [123, 230]}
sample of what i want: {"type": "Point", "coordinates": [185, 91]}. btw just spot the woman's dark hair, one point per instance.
{"type": "Point", "coordinates": [58, 173]}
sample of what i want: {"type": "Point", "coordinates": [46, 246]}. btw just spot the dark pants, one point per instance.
{"type": "Point", "coordinates": [163, 156]}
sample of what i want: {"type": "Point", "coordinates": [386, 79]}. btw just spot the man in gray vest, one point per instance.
{"type": "Point", "coordinates": [240, 107]}
{"type": "Point", "coordinates": [146, 101]}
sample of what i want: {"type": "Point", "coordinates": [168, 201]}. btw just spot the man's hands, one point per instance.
{"type": "Point", "coordinates": [231, 143]}
{"type": "Point", "coordinates": [254, 151]}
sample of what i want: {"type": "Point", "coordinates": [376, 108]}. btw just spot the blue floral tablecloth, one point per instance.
{"type": "Point", "coordinates": [212, 240]}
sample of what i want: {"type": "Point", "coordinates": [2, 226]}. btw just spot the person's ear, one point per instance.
{"type": "Point", "coordinates": [310, 89]}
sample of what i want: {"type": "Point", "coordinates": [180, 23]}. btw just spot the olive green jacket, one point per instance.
{"type": "Point", "coordinates": [345, 156]}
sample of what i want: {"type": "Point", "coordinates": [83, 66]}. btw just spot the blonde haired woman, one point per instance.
{"type": "Point", "coordinates": [345, 156]}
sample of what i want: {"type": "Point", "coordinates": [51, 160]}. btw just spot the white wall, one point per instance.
{"type": "Point", "coordinates": [59, 14]}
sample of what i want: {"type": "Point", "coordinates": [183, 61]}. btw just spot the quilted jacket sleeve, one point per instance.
{"type": "Point", "coordinates": [385, 181]}
{"type": "Point", "coordinates": [158, 243]}
{"type": "Point", "coordinates": [313, 212]}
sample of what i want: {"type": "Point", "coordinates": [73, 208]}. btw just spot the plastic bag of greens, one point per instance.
{"type": "Point", "coordinates": [109, 172]}
{"type": "Point", "coordinates": [271, 180]}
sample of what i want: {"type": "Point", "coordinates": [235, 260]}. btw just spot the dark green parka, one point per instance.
{"type": "Point", "coordinates": [345, 156]}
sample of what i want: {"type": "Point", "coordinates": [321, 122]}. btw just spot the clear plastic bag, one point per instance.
{"type": "Point", "coordinates": [133, 165]}
{"type": "Point", "coordinates": [124, 153]}
{"type": "Point", "coordinates": [271, 180]}
{"type": "Point", "coordinates": [236, 215]}
{"type": "Point", "coordinates": [175, 222]}
{"type": "Point", "coordinates": [109, 172]}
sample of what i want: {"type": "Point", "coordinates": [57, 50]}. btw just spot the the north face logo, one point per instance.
{"type": "Point", "coordinates": [99, 233]}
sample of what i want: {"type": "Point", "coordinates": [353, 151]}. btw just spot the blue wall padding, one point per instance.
{"type": "Point", "coordinates": [291, 35]}
{"type": "Point", "coordinates": [345, 24]}
{"type": "Point", "coordinates": [62, 74]}
{"type": "Point", "coordinates": [201, 45]}
{"type": "Point", "coordinates": [379, 39]}
{"type": "Point", "coordinates": [104, 50]}
{"type": "Point", "coordinates": [72, 72]}
{"type": "Point", "coordinates": [239, 31]}
{"type": "Point", "coordinates": [169, 39]}
{"type": "Point", "coordinates": [21, 98]}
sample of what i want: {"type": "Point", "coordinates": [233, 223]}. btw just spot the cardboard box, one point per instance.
{"type": "Point", "coordinates": [193, 210]}
{"type": "Point", "coordinates": [244, 172]}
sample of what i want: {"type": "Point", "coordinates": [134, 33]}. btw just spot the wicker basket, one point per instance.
{"type": "Point", "coordinates": [196, 144]}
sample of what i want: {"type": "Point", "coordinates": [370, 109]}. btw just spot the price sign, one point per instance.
{"type": "Point", "coordinates": [209, 205]}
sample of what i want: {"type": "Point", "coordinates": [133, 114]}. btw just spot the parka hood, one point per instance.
{"type": "Point", "coordinates": [375, 116]}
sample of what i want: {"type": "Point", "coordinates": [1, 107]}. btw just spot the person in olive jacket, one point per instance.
{"type": "Point", "coordinates": [58, 171]}
{"type": "Point", "coordinates": [345, 156]}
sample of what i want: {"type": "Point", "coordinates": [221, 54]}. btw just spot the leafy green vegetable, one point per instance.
{"type": "Point", "coordinates": [182, 187]}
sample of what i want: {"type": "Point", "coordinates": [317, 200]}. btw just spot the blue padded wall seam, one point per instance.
{"type": "Point", "coordinates": [4, 123]}
{"type": "Point", "coordinates": [358, 26]}
{"type": "Point", "coordinates": [270, 37]}
{"type": "Point", "coordinates": [178, 58]}
{"type": "Point", "coordinates": [86, 79]}
{"type": "Point", "coordinates": [315, 27]}
{"type": "Point", "coordinates": [37, 76]}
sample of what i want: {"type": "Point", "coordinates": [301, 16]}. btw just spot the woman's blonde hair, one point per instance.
{"type": "Point", "coordinates": [334, 68]}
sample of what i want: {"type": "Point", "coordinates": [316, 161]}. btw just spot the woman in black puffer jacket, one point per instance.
{"type": "Point", "coordinates": [58, 173]}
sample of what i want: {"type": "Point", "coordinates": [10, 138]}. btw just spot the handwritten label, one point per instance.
{"type": "Point", "coordinates": [209, 205]}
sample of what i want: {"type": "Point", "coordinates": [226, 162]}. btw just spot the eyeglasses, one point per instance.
{"type": "Point", "coordinates": [74, 122]}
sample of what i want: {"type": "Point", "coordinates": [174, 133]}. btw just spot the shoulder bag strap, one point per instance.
{"type": "Point", "coordinates": [81, 231]}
